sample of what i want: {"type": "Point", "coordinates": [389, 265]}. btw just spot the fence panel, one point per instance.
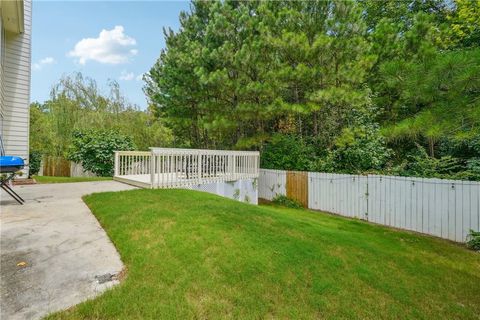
{"type": "Point", "coordinates": [272, 183]}
{"type": "Point", "coordinates": [338, 193]}
{"type": "Point", "coordinates": [439, 207]}
{"type": "Point", "coordinates": [76, 170]}
{"type": "Point", "coordinates": [55, 166]}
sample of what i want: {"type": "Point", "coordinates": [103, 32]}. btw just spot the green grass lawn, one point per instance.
{"type": "Point", "coordinates": [45, 179]}
{"type": "Point", "coordinates": [192, 255]}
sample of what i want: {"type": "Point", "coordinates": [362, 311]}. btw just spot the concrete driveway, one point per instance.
{"type": "Point", "coordinates": [54, 254]}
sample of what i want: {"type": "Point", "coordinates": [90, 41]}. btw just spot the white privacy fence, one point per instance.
{"type": "Point", "coordinates": [443, 208]}
{"type": "Point", "coordinates": [338, 193]}
{"type": "Point", "coordinates": [271, 183]}
{"type": "Point", "coordinates": [170, 168]}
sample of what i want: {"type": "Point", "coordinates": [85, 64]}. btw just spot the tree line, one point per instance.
{"type": "Point", "coordinates": [338, 86]}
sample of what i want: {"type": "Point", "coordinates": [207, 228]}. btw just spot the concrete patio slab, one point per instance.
{"type": "Point", "coordinates": [54, 253]}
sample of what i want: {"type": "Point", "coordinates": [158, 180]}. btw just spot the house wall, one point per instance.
{"type": "Point", "coordinates": [15, 88]}
{"type": "Point", "coordinates": [2, 50]}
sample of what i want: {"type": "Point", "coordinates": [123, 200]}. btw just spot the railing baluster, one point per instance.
{"type": "Point", "coordinates": [168, 170]}
{"type": "Point", "coordinates": [135, 165]}
{"type": "Point", "coordinates": [158, 169]}
{"type": "Point", "coordinates": [151, 169]}
{"type": "Point", "coordinates": [170, 173]}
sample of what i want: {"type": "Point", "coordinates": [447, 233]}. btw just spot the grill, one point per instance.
{"type": "Point", "coordinates": [10, 165]}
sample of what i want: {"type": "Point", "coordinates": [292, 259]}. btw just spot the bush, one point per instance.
{"type": "Point", "coordinates": [473, 240]}
{"type": "Point", "coordinates": [420, 164]}
{"type": "Point", "coordinates": [473, 165]}
{"type": "Point", "coordinates": [35, 161]}
{"type": "Point", "coordinates": [287, 152]}
{"type": "Point", "coordinates": [94, 149]}
{"type": "Point", "coordinates": [284, 201]}
{"type": "Point", "coordinates": [357, 150]}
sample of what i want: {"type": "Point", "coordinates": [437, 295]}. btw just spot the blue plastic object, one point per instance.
{"type": "Point", "coordinates": [11, 163]}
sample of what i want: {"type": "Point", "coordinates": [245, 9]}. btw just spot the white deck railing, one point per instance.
{"type": "Point", "coordinates": [171, 168]}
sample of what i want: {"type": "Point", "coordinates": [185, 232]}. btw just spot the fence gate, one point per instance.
{"type": "Point", "coordinates": [297, 186]}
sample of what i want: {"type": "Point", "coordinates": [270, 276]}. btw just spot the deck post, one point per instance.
{"type": "Point", "coordinates": [116, 171]}
{"type": "Point", "coordinates": [199, 166]}
{"type": "Point", "coordinates": [152, 170]}
{"type": "Point", "coordinates": [231, 164]}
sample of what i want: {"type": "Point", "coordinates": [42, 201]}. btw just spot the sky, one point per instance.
{"type": "Point", "coordinates": [114, 40]}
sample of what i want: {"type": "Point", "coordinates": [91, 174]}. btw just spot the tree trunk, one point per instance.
{"type": "Point", "coordinates": [431, 147]}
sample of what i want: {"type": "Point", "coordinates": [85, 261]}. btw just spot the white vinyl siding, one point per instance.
{"type": "Point", "coordinates": [2, 63]}
{"type": "Point", "coordinates": [15, 86]}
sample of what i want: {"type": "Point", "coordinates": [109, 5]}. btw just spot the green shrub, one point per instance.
{"type": "Point", "coordinates": [473, 165]}
{"type": "Point", "coordinates": [35, 161]}
{"type": "Point", "coordinates": [356, 150]}
{"type": "Point", "coordinates": [287, 152]}
{"type": "Point", "coordinates": [473, 240]}
{"type": "Point", "coordinates": [420, 164]}
{"type": "Point", "coordinates": [285, 201]}
{"type": "Point", "coordinates": [94, 149]}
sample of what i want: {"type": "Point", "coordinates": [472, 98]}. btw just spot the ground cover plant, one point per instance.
{"type": "Point", "coordinates": [285, 201]}
{"type": "Point", "coordinates": [192, 255]}
{"type": "Point", "coordinates": [473, 240]}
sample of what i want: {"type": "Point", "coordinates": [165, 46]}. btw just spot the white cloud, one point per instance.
{"type": "Point", "coordinates": [127, 76]}
{"type": "Point", "coordinates": [111, 46]}
{"type": "Point", "coordinates": [45, 61]}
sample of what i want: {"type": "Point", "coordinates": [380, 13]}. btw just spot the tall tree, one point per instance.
{"type": "Point", "coordinates": [329, 74]}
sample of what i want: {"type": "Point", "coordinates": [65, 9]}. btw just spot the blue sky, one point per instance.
{"type": "Point", "coordinates": [115, 40]}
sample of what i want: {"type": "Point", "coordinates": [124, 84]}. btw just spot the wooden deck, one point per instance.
{"type": "Point", "coordinates": [176, 168]}
{"type": "Point", "coordinates": [137, 180]}
{"type": "Point", "coordinates": [172, 180]}
{"type": "Point", "coordinates": [162, 179]}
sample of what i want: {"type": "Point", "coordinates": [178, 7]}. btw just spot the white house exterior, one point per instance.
{"type": "Point", "coordinates": [15, 60]}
